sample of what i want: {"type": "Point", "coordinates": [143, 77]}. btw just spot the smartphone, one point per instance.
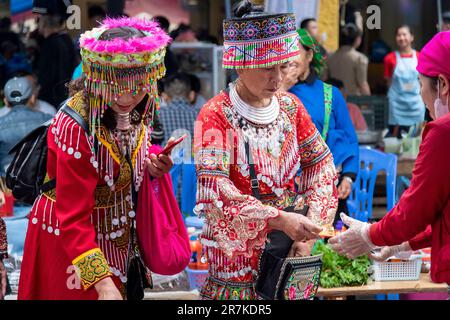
{"type": "Point", "coordinates": [169, 147]}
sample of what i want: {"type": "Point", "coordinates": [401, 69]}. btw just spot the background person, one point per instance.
{"type": "Point", "coordinates": [406, 106]}
{"type": "Point", "coordinates": [349, 65]}
{"type": "Point", "coordinates": [57, 56]}
{"type": "Point", "coordinates": [19, 120]}
{"type": "Point", "coordinates": [331, 119]}
{"type": "Point", "coordinates": [421, 217]}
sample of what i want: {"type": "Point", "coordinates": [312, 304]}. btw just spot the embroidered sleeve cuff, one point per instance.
{"type": "Point", "coordinates": [91, 267]}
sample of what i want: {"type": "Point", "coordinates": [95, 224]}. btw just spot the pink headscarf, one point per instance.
{"type": "Point", "coordinates": [434, 57]}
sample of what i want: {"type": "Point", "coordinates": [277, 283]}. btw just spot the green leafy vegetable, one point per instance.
{"type": "Point", "coordinates": [339, 271]}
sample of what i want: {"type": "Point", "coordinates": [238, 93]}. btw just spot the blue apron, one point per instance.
{"type": "Point", "coordinates": [406, 106]}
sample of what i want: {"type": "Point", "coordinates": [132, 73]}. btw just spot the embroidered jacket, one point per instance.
{"type": "Point", "coordinates": [236, 222]}
{"type": "Point", "coordinates": [83, 225]}
{"type": "Point", "coordinates": [3, 241]}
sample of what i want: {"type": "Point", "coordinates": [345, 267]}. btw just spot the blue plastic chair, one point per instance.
{"type": "Point", "coordinates": [188, 192]}
{"type": "Point", "coordinates": [361, 198]}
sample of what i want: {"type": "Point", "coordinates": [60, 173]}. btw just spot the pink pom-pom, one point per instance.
{"type": "Point", "coordinates": [157, 40]}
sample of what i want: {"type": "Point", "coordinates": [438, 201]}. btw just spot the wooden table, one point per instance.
{"type": "Point", "coordinates": [424, 284]}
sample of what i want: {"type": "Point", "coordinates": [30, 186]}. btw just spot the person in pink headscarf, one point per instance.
{"type": "Point", "coordinates": [421, 218]}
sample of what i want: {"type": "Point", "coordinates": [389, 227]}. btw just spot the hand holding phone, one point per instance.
{"type": "Point", "coordinates": [171, 144]}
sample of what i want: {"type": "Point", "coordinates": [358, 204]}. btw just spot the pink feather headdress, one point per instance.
{"type": "Point", "coordinates": [155, 39]}
{"type": "Point", "coordinates": [113, 67]}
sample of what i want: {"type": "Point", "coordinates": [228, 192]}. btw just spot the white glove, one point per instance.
{"type": "Point", "coordinates": [355, 241]}
{"type": "Point", "coordinates": [402, 251]}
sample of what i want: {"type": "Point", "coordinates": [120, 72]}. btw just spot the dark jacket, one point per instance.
{"type": "Point", "coordinates": [57, 60]}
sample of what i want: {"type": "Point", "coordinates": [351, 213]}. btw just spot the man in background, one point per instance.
{"type": "Point", "coordinates": [58, 57]}
{"type": "Point", "coordinates": [38, 105]}
{"type": "Point", "coordinates": [20, 120]}
{"type": "Point", "coordinates": [349, 65]}
{"type": "Point", "coordinates": [178, 115]}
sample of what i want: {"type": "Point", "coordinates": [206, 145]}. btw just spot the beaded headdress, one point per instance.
{"type": "Point", "coordinates": [113, 67]}
{"type": "Point", "coordinates": [259, 41]}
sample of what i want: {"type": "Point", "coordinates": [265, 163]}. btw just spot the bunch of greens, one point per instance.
{"type": "Point", "coordinates": [339, 271]}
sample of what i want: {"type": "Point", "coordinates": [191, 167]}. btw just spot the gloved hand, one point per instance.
{"type": "Point", "coordinates": [403, 251]}
{"type": "Point", "coordinates": [355, 241]}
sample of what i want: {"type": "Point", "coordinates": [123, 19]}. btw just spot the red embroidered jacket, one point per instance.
{"type": "Point", "coordinates": [236, 222]}
{"type": "Point", "coordinates": [3, 241]}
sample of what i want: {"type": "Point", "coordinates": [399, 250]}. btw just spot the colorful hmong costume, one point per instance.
{"type": "Point", "coordinates": [282, 140]}
{"type": "Point", "coordinates": [3, 241]}
{"type": "Point", "coordinates": [82, 226]}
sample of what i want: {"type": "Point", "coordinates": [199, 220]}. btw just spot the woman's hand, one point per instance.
{"type": "Point", "coordinates": [2, 280]}
{"type": "Point", "coordinates": [158, 165]}
{"type": "Point", "coordinates": [344, 189]}
{"type": "Point", "coordinates": [355, 241]}
{"type": "Point", "coordinates": [301, 248]}
{"type": "Point", "coordinates": [291, 78]}
{"type": "Point", "coordinates": [296, 226]}
{"type": "Point", "coordinates": [107, 290]}
{"type": "Point", "coordinates": [401, 250]}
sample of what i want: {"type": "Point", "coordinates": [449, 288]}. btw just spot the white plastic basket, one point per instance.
{"type": "Point", "coordinates": [402, 270]}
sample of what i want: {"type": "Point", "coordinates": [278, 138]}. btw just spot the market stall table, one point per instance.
{"type": "Point", "coordinates": [424, 284]}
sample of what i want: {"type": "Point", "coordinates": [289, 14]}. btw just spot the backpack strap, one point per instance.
{"type": "Point", "coordinates": [328, 98]}
{"type": "Point", "coordinates": [51, 184]}
{"type": "Point", "coordinates": [75, 116]}
{"type": "Point", "coordinates": [254, 183]}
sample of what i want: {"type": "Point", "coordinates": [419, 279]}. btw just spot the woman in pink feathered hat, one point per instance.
{"type": "Point", "coordinates": [79, 240]}
{"type": "Point", "coordinates": [421, 218]}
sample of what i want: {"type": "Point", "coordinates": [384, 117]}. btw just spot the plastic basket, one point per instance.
{"type": "Point", "coordinates": [393, 271]}
{"type": "Point", "coordinates": [196, 278]}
